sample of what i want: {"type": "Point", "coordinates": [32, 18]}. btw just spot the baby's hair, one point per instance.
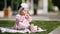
{"type": "Point", "coordinates": [21, 9]}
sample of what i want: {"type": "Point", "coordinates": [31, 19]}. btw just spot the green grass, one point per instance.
{"type": "Point", "coordinates": [48, 25]}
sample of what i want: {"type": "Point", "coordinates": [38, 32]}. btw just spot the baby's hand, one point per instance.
{"type": "Point", "coordinates": [27, 16]}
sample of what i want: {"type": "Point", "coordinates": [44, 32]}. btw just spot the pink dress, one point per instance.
{"type": "Point", "coordinates": [22, 22]}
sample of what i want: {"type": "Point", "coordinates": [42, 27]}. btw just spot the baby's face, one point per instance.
{"type": "Point", "coordinates": [23, 12]}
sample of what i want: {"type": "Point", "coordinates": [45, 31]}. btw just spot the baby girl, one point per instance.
{"type": "Point", "coordinates": [23, 21]}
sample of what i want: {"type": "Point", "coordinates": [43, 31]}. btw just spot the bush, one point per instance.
{"type": "Point", "coordinates": [50, 6]}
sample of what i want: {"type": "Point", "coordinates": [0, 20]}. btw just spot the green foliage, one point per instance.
{"type": "Point", "coordinates": [17, 2]}
{"type": "Point", "coordinates": [50, 5]}
{"type": "Point", "coordinates": [36, 1]}
{"type": "Point", "coordinates": [1, 4]}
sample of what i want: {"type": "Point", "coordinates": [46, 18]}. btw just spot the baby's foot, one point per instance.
{"type": "Point", "coordinates": [40, 30]}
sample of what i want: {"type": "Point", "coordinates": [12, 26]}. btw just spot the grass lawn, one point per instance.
{"type": "Point", "coordinates": [48, 25]}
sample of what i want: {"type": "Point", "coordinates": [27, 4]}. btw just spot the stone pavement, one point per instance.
{"type": "Point", "coordinates": [56, 31]}
{"type": "Point", "coordinates": [34, 18]}
{"type": "Point", "coordinates": [48, 17]}
{"type": "Point", "coordinates": [38, 17]}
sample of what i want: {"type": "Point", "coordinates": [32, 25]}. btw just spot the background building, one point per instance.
{"type": "Point", "coordinates": [36, 7]}
{"type": "Point", "coordinates": [39, 5]}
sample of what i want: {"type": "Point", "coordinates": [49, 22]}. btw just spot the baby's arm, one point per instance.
{"type": "Point", "coordinates": [28, 18]}
{"type": "Point", "coordinates": [17, 19]}
{"type": "Point", "coordinates": [21, 22]}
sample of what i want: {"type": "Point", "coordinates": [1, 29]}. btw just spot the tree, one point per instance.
{"type": "Point", "coordinates": [1, 4]}
{"type": "Point", "coordinates": [50, 5]}
{"type": "Point", "coordinates": [17, 3]}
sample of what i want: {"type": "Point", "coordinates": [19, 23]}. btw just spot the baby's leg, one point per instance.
{"type": "Point", "coordinates": [38, 28]}
{"type": "Point", "coordinates": [32, 27]}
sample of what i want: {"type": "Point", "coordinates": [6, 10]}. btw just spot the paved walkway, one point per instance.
{"type": "Point", "coordinates": [56, 31]}
{"type": "Point", "coordinates": [48, 17]}
{"type": "Point", "coordinates": [41, 17]}
{"type": "Point", "coordinates": [34, 18]}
